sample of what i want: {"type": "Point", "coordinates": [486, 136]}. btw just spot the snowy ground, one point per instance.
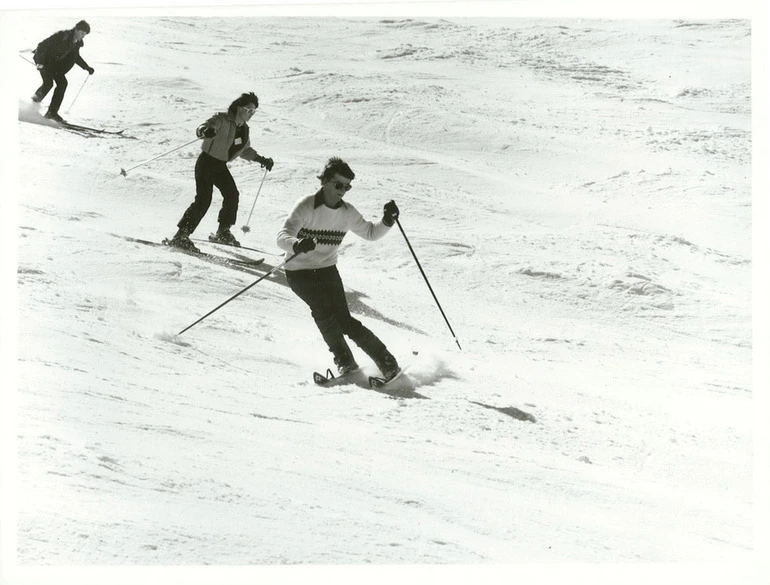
{"type": "Point", "coordinates": [579, 193]}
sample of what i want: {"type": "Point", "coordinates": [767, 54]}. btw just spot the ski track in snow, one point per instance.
{"type": "Point", "coordinates": [584, 218]}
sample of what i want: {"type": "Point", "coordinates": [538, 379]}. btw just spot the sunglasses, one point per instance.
{"type": "Point", "coordinates": [249, 111]}
{"type": "Point", "coordinates": [338, 185]}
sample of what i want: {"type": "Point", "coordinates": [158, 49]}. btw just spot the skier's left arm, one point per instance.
{"type": "Point", "coordinates": [252, 155]}
{"type": "Point", "coordinates": [81, 62]}
{"type": "Point", "coordinates": [374, 231]}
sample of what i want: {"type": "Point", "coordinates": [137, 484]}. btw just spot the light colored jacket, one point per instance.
{"type": "Point", "coordinates": [311, 218]}
{"type": "Point", "coordinates": [224, 125]}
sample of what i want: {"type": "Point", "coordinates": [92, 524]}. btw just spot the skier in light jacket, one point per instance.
{"type": "Point", "coordinates": [54, 57]}
{"type": "Point", "coordinates": [315, 229]}
{"type": "Point", "coordinates": [225, 137]}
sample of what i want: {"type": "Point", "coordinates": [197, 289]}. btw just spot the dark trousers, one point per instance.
{"type": "Point", "coordinates": [49, 77]}
{"type": "Point", "coordinates": [209, 173]}
{"type": "Point", "coordinates": [323, 292]}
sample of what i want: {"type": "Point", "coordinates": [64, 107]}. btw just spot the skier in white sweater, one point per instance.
{"type": "Point", "coordinates": [315, 229]}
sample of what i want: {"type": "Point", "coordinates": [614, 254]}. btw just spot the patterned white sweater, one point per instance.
{"type": "Point", "coordinates": [310, 217]}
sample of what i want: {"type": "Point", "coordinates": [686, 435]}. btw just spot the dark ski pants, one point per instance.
{"type": "Point", "coordinates": [49, 78]}
{"type": "Point", "coordinates": [323, 292]}
{"type": "Point", "coordinates": [209, 173]}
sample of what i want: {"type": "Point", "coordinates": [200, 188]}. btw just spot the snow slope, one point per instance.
{"type": "Point", "coordinates": [579, 194]}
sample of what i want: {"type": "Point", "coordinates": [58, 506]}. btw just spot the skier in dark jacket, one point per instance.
{"type": "Point", "coordinates": [225, 137]}
{"type": "Point", "coordinates": [54, 57]}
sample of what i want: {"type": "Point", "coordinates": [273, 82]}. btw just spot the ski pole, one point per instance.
{"type": "Point", "coordinates": [27, 60]}
{"type": "Point", "coordinates": [246, 229]}
{"type": "Point", "coordinates": [77, 94]}
{"type": "Point", "coordinates": [428, 283]}
{"type": "Point", "coordinates": [239, 293]}
{"type": "Point", "coordinates": [124, 171]}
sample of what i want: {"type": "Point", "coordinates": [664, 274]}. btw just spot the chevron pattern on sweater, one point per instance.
{"type": "Point", "coordinates": [323, 237]}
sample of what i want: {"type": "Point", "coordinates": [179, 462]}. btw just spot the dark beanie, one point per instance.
{"type": "Point", "coordinates": [84, 26]}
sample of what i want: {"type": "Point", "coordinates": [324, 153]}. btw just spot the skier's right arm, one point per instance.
{"type": "Point", "coordinates": [45, 53]}
{"type": "Point", "coordinates": [287, 235]}
{"type": "Point", "coordinates": [209, 128]}
{"type": "Point", "coordinates": [204, 131]}
{"type": "Point", "coordinates": [42, 53]}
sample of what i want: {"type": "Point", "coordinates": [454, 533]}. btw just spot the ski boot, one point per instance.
{"type": "Point", "coordinates": [224, 236]}
{"type": "Point", "coordinates": [182, 241]}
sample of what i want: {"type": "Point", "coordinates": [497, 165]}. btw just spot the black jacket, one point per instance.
{"type": "Point", "coordinates": [60, 52]}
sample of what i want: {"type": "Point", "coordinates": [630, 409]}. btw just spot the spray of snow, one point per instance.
{"type": "Point", "coordinates": [170, 337]}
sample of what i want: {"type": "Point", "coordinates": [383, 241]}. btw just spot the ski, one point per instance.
{"type": "Point", "coordinates": [29, 112]}
{"type": "Point", "coordinates": [76, 131]}
{"type": "Point", "coordinates": [356, 377]}
{"type": "Point", "coordinates": [96, 130]}
{"type": "Point", "coordinates": [233, 251]}
{"type": "Point", "coordinates": [243, 261]}
{"type": "Point", "coordinates": [379, 383]}
{"type": "Point", "coordinates": [397, 387]}
{"type": "Point", "coordinates": [248, 266]}
{"type": "Point", "coordinates": [230, 246]}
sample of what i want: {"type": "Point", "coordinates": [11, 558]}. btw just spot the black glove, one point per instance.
{"type": "Point", "coordinates": [304, 245]}
{"type": "Point", "coordinates": [90, 70]}
{"type": "Point", "coordinates": [266, 162]}
{"type": "Point", "coordinates": [390, 213]}
{"type": "Point", "coordinates": [204, 132]}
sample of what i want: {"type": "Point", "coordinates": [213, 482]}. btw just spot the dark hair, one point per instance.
{"type": "Point", "coordinates": [336, 166]}
{"type": "Point", "coordinates": [84, 26]}
{"type": "Point", "coordinates": [245, 98]}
